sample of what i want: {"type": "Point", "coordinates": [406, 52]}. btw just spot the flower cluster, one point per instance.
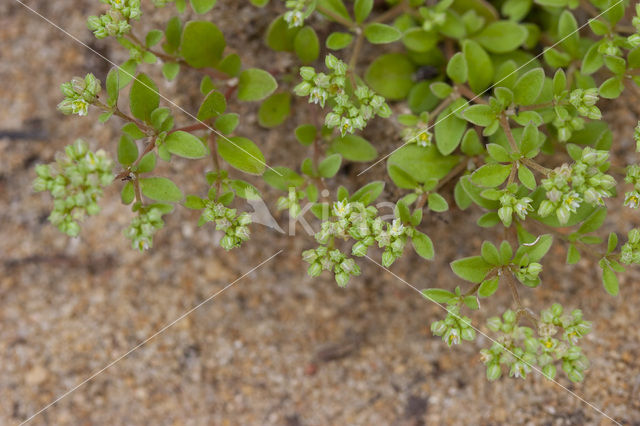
{"type": "Point", "coordinates": [632, 198]}
{"type": "Point", "coordinates": [566, 124]}
{"type": "Point", "coordinates": [78, 94]}
{"type": "Point", "coordinates": [569, 185]}
{"type": "Point", "coordinates": [116, 22]}
{"type": "Point", "coordinates": [352, 107]}
{"type": "Point", "coordinates": [630, 252]}
{"type": "Point", "coordinates": [75, 182]}
{"type": "Point", "coordinates": [584, 101]}
{"type": "Point", "coordinates": [356, 221]}
{"type": "Point", "coordinates": [326, 259]}
{"type": "Point", "coordinates": [520, 350]}
{"type": "Point", "coordinates": [235, 227]}
{"type": "Point", "coordinates": [295, 14]}
{"type": "Point", "coordinates": [510, 203]}
{"type": "Point", "coordinates": [636, 136]}
{"type": "Point", "coordinates": [453, 328]}
{"type": "Point", "coordinates": [144, 226]}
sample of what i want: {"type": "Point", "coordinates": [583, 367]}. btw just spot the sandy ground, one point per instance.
{"type": "Point", "coordinates": [277, 347]}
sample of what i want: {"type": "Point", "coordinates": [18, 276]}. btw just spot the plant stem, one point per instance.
{"type": "Point", "coordinates": [522, 310]}
{"type": "Point", "coordinates": [116, 111]}
{"type": "Point", "coordinates": [465, 91]}
{"type": "Point", "coordinates": [441, 107]}
{"type": "Point", "coordinates": [353, 60]}
{"type": "Point", "coordinates": [136, 188]}
{"type": "Point", "coordinates": [537, 167]}
{"type": "Point", "coordinates": [504, 123]}
{"type": "Point", "coordinates": [397, 10]}
{"type": "Point", "coordinates": [213, 146]}
{"type": "Point", "coordinates": [191, 128]}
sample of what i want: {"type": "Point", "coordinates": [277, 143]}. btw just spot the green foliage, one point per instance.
{"type": "Point", "coordinates": [488, 109]}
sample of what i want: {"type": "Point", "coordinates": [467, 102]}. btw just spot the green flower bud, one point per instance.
{"type": "Point", "coordinates": [494, 324]}
{"type": "Point", "coordinates": [315, 269]}
{"type": "Point", "coordinates": [493, 372]}
{"type": "Point", "coordinates": [342, 279]}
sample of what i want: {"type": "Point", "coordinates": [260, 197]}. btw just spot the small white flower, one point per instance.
{"type": "Point", "coordinates": [397, 228]}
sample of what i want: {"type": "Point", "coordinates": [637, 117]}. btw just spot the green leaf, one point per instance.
{"type": "Point", "coordinates": [245, 190]}
{"type": "Point", "coordinates": [438, 295]}
{"type": "Point", "coordinates": [611, 88]}
{"type": "Point", "coordinates": [612, 242]}
{"type": "Point", "coordinates": [112, 87]}
{"type": "Point", "coordinates": [472, 268]}
{"type": "Point", "coordinates": [153, 37]}
{"type": "Point", "coordinates": [255, 84]}
{"type": "Point", "coordinates": [335, 7]}
{"type": "Point", "coordinates": [538, 248]}
{"type": "Point", "coordinates": [437, 203]}
{"type": "Point", "coordinates": [282, 178]}
{"type": "Point", "coordinates": [488, 287]}
{"type": "Point", "coordinates": [491, 175]}
{"type": "Point", "coordinates": [173, 34]}
{"type": "Point", "coordinates": [227, 123]}
{"type": "Point", "coordinates": [593, 222]}
{"type": "Point", "coordinates": [419, 40]}
{"type": "Point", "coordinates": [242, 154]}
{"type": "Point", "coordinates": [126, 72]}
{"type": "Point", "coordinates": [362, 9]}
{"type": "Point", "coordinates": [274, 110]}
{"type": "Point", "coordinates": [202, 6]}
{"type": "Point", "coordinates": [422, 164]}
{"type": "Point", "coordinates": [378, 33]}
{"type": "Point", "coordinates": [368, 193]}
{"type": "Point", "coordinates": [481, 115]}
{"type": "Point", "coordinates": [170, 70]}
{"type": "Point", "coordinates": [160, 189]}
{"type": "Point", "coordinates": [214, 104]}
{"type": "Point", "coordinates": [479, 63]}
{"type": "Point", "coordinates": [391, 76]}
{"type": "Point", "coordinates": [230, 65]}
{"type": "Point", "coordinates": [610, 280]}
{"type": "Point", "coordinates": [568, 33]}
{"type": "Point", "coordinates": [306, 134]}
{"type": "Point", "coordinates": [526, 177]}
{"type": "Point", "coordinates": [401, 178]}
{"type": "Point", "coordinates": [528, 87]}
{"type": "Point", "coordinates": [490, 253]}
{"type": "Point", "coordinates": [330, 165]}
{"type": "Point", "coordinates": [279, 36]}
{"type": "Point", "coordinates": [306, 45]}
{"type": "Point", "coordinates": [498, 153]}
{"type": "Point", "coordinates": [449, 128]}
{"type": "Point", "coordinates": [354, 148]}
{"type": "Point", "coordinates": [457, 69]}
{"type": "Point", "coordinates": [502, 36]}
{"type": "Point", "coordinates": [127, 151]}
{"type": "Point", "coordinates": [143, 98]}
{"type": "Point", "coordinates": [202, 44]}
{"type": "Point", "coordinates": [338, 40]}
{"type": "Point", "coordinates": [185, 145]}
{"type": "Point", "coordinates": [422, 244]}
{"type": "Point", "coordinates": [194, 202]}
{"type": "Point", "coordinates": [127, 195]}
{"type": "Point", "coordinates": [147, 164]}
{"type": "Point", "coordinates": [573, 255]}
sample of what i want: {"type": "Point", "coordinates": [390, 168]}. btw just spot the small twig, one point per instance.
{"type": "Point", "coordinates": [468, 93]}
{"type": "Point", "coordinates": [504, 123]}
{"type": "Point", "coordinates": [397, 10]}
{"type": "Point", "coordinates": [353, 60]}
